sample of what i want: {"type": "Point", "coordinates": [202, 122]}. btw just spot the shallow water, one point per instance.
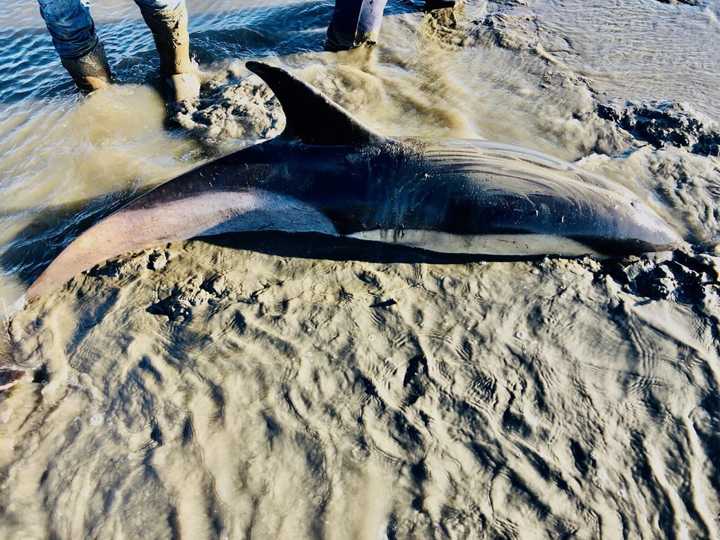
{"type": "Point", "coordinates": [230, 394]}
{"type": "Point", "coordinates": [642, 50]}
{"type": "Point", "coordinates": [60, 153]}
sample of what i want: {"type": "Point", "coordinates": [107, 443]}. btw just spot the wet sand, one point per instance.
{"type": "Point", "coordinates": [209, 390]}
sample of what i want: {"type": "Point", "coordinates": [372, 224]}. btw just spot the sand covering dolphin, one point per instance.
{"type": "Point", "coordinates": [329, 174]}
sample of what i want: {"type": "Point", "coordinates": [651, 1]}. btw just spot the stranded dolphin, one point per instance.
{"type": "Point", "coordinates": [329, 174]}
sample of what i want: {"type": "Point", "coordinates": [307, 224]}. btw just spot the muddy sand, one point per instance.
{"type": "Point", "coordinates": [276, 387]}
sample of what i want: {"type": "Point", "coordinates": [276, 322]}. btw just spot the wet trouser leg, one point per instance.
{"type": "Point", "coordinates": [434, 4]}
{"type": "Point", "coordinates": [70, 25]}
{"type": "Point", "coordinates": [355, 22]}
{"type": "Point", "coordinates": [159, 5]}
{"type": "Point", "coordinates": [73, 34]}
{"type": "Point", "coordinates": [168, 22]}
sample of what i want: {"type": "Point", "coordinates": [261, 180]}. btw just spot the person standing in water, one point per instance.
{"type": "Point", "coordinates": [356, 23]}
{"type": "Point", "coordinates": [81, 52]}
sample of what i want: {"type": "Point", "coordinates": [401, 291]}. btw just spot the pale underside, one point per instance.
{"type": "Point", "coordinates": [216, 213]}
{"type": "Point", "coordinates": [480, 244]}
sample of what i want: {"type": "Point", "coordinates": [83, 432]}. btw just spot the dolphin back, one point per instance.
{"type": "Point", "coordinates": [495, 199]}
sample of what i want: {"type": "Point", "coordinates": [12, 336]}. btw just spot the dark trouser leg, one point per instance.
{"type": "Point", "coordinates": [439, 4]}
{"type": "Point", "coordinates": [354, 23]}
{"type": "Point", "coordinates": [73, 34]}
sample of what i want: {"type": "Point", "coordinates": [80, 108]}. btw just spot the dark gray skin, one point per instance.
{"type": "Point", "coordinates": [328, 174]}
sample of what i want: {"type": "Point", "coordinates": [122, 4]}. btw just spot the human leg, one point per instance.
{"type": "Point", "coordinates": [73, 33]}
{"type": "Point", "coordinates": [168, 22]}
{"type": "Point", "coordinates": [354, 23]}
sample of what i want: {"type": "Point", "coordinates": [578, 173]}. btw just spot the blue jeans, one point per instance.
{"type": "Point", "coordinates": [72, 28]}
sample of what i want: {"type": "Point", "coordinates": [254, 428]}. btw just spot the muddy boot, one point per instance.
{"type": "Point", "coordinates": [90, 72]}
{"type": "Point", "coordinates": [170, 31]}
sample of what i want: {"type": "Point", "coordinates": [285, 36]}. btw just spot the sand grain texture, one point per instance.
{"type": "Point", "coordinates": [232, 393]}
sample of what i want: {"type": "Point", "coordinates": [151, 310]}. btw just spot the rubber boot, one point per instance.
{"type": "Point", "coordinates": [354, 23]}
{"type": "Point", "coordinates": [170, 32]}
{"type": "Point", "coordinates": [90, 72]}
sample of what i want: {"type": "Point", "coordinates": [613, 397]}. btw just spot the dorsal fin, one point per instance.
{"type": "Point", "coordinates": [312, 117]}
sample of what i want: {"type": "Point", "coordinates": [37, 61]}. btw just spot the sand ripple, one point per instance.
{"type": "Point", "coordinates": [241, 395]}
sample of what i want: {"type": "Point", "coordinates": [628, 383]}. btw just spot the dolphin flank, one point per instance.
{"type": "Point", "coordinates": [329, 174]}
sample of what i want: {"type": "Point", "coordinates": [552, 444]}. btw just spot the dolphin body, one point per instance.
{"type": "Point", "coordinates": [329, 174]}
